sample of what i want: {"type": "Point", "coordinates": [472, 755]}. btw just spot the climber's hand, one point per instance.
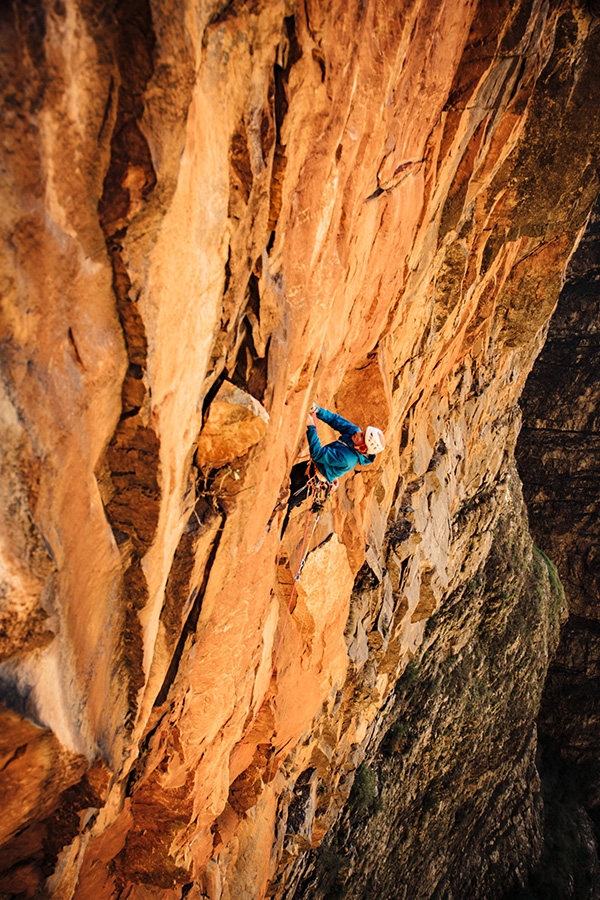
{"type": "Point", "coordinates": [311, 420]}
{"type": "Point", "coordinates": [314, 408]}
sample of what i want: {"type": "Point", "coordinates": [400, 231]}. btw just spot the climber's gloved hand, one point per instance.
{"type": "Point", "coordinates": [314, 408]}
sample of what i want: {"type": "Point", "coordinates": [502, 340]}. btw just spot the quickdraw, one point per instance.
{"type": "Point", "coordinates": [321, 491]}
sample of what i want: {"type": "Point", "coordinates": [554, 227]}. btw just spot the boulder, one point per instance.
{"type": "Point", "coordinates": [235, 422]}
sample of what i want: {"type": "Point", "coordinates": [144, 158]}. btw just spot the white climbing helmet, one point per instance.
{"type": "Point", "coordinates": [374, 440]}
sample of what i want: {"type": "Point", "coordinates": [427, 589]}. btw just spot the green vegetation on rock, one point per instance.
{"type": "Point", "coordinates": [364, 789]}
{"type": "Point", "coordinates": [447, 801]}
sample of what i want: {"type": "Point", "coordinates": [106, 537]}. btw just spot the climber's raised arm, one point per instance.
{"type": "Point", "coordinates": [337, 422]}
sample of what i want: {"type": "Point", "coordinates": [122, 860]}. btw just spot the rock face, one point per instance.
{"type": "Point", "coordinates": [367, 206]}
{"type": "Point", "coordinates": [558, 459]}
{"type": "Point", "coordinates": [448, 797]}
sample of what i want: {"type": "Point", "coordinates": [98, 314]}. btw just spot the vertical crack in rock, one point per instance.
{"type": "Point", "coordinates": [251, 367]}
{"type": "Point", "coordinates": [240, 353]}
{"type": "Point", "coordinates": [183, 597]}
{"type": "Point", "coordinates": [129, 474]}
{"type": "Point", "coordinates": [159, 818]}
{"type": "Point", "coordinates": [257, 165]}
{"type": "Point", "coordinates": [130, 177]}
{"type": "Point", "coordinates": [288, 55]}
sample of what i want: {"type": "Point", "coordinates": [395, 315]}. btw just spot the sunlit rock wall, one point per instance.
{"type": "Point", "coordinates": [370, 206]}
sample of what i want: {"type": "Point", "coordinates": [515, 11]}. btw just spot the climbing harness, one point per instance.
{"type": "Point", "coordinates": [321, 494]}
{"type": "Point", "coordinates": [319, 489]}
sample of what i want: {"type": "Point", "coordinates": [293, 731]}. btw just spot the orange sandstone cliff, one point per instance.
{"type": "Point", "coordinates": [214, 214]}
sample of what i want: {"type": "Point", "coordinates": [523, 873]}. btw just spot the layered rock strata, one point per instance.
{"type": "Point", "coordinates": [368, 206]}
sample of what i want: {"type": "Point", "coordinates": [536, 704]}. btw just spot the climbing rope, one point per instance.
{"type": "Point", "coordinates": [304, 556]}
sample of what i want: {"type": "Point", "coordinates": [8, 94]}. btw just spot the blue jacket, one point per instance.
{"type": "Point", "coordinates": [338, 457]}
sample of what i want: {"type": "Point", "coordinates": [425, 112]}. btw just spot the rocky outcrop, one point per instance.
{"type": "Point", "coordinates": [235, 422]}
{"type": "Point", "coordinates": [370, 207]}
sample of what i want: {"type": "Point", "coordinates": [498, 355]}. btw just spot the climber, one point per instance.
{"type": "Point", "coordinates": [353, 448]}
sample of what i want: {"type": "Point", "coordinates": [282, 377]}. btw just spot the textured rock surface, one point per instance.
{"type": "Point", "coordinates": [458, 740]}
{"type": "Point", "coordinates": [369, 206]}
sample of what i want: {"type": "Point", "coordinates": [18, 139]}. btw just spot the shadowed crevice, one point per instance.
{"type": "Point", "coordinates": [129, 474]}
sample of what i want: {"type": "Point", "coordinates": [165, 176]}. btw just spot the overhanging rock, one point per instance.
{"type": "Point", "coordinates": [235, 422]}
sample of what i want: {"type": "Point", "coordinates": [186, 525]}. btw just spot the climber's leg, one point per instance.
{"type": "Point", "coordinates": [299, 489]}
